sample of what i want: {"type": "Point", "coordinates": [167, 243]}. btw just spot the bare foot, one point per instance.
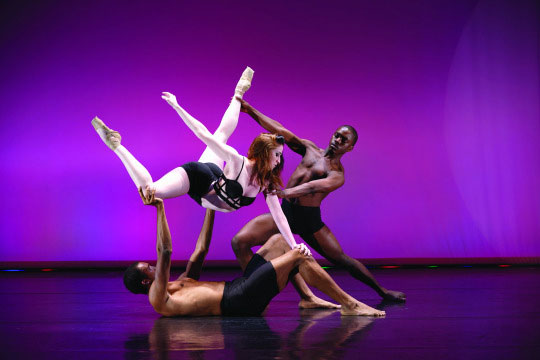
{"type": "Point", "coordinates": [361, 309]}
{"type": "Point", "coordinates": [392, 295]}
{"type": "Point", "coordinates": [317, 303]}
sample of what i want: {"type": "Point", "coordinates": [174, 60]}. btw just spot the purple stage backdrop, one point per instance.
{"type": "Point", "coordinates": [444, 94]}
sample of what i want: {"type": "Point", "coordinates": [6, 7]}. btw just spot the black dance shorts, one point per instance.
{"type": "Point", "coordinates": [303, 220]}
{"type": "Point", "coordinates": [250, 294]}
{"type": "Point", "coordinates": [201, 176]}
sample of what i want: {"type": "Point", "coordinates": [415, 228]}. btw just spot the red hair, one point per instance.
{"type": "Point", "coordinates": [261, 151]}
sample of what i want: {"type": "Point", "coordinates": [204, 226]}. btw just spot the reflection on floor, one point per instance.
{"type": "Point", "coordinates": [450, 314]}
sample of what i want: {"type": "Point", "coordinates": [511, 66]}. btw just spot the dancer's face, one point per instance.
{"type": "Point", "coordinates": [342, 141]}
{"type": "Point", "coordinates": [275, 156]}
{"type": "Point", "coordinates": [148, 270]}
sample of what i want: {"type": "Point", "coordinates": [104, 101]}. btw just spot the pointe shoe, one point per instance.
{"type": "Point", "coordinates": [245, 82]}
{"type": "Point", "coordinates": [110, 137]}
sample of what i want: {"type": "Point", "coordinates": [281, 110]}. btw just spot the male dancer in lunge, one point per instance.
{"type": "Point", "coordinates": [266, 274]}
{"type": "Point", "coordinates": [319, 173]}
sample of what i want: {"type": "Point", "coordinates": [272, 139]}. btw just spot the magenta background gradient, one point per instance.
{"type": "Point", "coordinates": [444, 94]}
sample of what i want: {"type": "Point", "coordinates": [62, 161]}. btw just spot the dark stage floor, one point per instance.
{"type": "Point", "coordinates": [451, 313]}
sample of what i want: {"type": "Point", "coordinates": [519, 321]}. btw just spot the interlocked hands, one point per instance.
{"type": "Point", "coordinates": [303, 249]}
{"type": "Point", "coordinates": [149, 198]}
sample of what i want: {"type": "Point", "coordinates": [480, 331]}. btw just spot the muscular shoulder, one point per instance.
{"type": "Point", "coordinates": [162, 300]}
{"type": "Point", "coordinates": [160, 304]}
{"type": "Point", "coordinates": [310, 145]}
{"type": "Point", "coordinates": [338, 175]}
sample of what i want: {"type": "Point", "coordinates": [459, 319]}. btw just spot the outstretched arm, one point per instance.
{"type": "Point", "coordinates": [158, 293]}
{"type": "Point", "coordinates": [280, 219]}
{"type": "Point", "coordinates": [194, 266]}
{"type": "Point", "coordinates": [332, 182]}
{"type": "Point", "coordinates": [221, 149]}
{"type": "Point", "coordinates": [293, 142]}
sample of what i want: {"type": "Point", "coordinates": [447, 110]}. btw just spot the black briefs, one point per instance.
{"type": "Point", "coordinates": [250, 294]}
{"type": "Point", "coordinates": [303, 220]}
{"type": "Point", "coordinates": [201, 176]}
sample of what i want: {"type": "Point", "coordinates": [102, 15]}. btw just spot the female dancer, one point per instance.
{"type": "Point", "coordinates": [207, 181]}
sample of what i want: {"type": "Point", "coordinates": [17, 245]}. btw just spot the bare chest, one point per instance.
{"type": "Point", "coordinates": [314, 166]}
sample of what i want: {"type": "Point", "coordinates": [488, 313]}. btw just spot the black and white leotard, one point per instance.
{"type": "Point", "coordinates": [204, 176]}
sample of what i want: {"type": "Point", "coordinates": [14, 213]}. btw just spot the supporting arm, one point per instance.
{"type": "Point", "coordinates": [158, 292]}
{"type": "Point", "coordinates": [332, 182]}
{"type": "Point", "coordinates": [196, 261]}
{"type": "Point", "coordinates": [293, 142]}
{"type": "Point", "coordinates": [280, 219]}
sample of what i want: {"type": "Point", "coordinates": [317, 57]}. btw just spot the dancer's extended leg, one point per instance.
{"type": "Point", "coordinates": [314, 275]}
{"type": "Point", "coordinates": [229, 121]}
{"type": "Point", "coordinates": [223, 132]}
{"type": "Point", "coordinates": [326, 244]}
{"type": "Point", "coordinates": [228, 124]}
{"type": "Point", "coordinates": [174, 183]}
{"type": "Point", "coordinates": [257, 232]}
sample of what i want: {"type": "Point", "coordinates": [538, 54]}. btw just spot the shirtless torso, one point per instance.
{"type": "Point", "coordinates": [266, 274]}
{"type": "Point", "coordinates": [314, 166]}
{"type": "Point", "coordinates": [188, 297]}
{"type": "Point", "coordinates": [319, 173]}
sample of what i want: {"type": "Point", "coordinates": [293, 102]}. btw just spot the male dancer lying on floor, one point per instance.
{"type": "Point", "coordinates": [319, 173]}
{"type": "Point", "coordinates": [264, 277]}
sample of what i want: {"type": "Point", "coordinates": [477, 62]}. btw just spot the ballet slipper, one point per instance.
{"type": "Point", "coordinates": [244, 83]}
{"type": "Point", "coordinates": [110, 137]}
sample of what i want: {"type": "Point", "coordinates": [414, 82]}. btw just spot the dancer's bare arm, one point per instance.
{"type": "Point", "coordinates": [280, 219]}
{"type": "Point", "coordinates": [196, 260]}
{"type": "Point", "coordinates": [334, 180]}
{"type": "Point", "coordinates": [224, 151]}
{"type": "Point", "coordinates": [293, 142]}
{"type": "Point", "coordinates": [158, 295]}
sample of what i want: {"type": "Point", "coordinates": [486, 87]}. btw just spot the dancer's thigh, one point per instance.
{"type": "Point", "coordinates": [222, 134]}
{"type": "Point", "coordinates": [256, 232]}
{"type": "Point", "coordinates": [172, 184]}
{"type": "Point", "coordinates": [209, 156]}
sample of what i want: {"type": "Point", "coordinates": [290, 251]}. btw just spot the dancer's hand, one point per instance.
{"type": "Point", "coordinates": [303, 249]}
{"type": "Point", "coordinates": [244, 105]}
{"type": "Point", "coordinates": [170, 98]}
{"type": "Point", "coordinates": [279, 193]}
{"type": "Point", "coordinates": [149, 198]}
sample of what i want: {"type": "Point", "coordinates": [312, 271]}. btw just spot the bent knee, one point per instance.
{"type": "Point", "coordinates": [273, 247]}
{"type": "Point", "coordinates": [306, 262]}
{"type": "Point", "coordinates": [276, 240]}
{"type": "Point", "coordinates": [240, 241]}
